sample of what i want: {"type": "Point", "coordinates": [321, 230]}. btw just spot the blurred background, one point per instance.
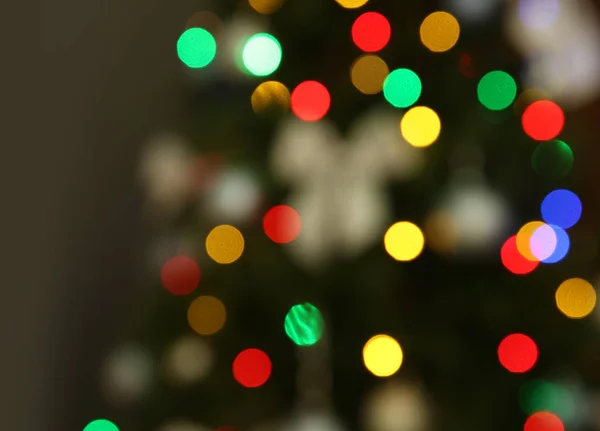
{"type": "Point", "coordinates": [234, 175]}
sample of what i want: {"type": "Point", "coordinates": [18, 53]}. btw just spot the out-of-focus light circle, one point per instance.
{"type": "Point", "coordinates": [262, 54]}
{"type": "Point", "coordinates": [540, 395]}
{"type": "Point", "coordinates": [196, 48]}
{"type": "Point", "coordinates": [552, 159]}
{"type": "Point", "coordinates": [472, 11]}
{"type": "Point", "coordinates": [180, 424]}
{"type": "Point", "coordinates": [441, 232]}
{"type": "Point", "coordinates": [563, 243]}
{"type": "Point", "coordinates": [270, 96]}
{"type": "Point", "coordinates": [252, 368]}
{"type": "Point", "coordinates": [304, 324]}
{"type": "Point", "coordinates": [310, 101]}
{"type": "Point", "coordinates": [282, 224]}
{"type": "Point", "coordinates": [420, 126]}
{"type": "Point", "coordinates": [101, 425]}
{"type": "Point", "coordinates": [561, 208]}
{"type": "Point", "coordinates": [575, 298]}
{"type": "Point", "coordinates": [524, 239]}
{"type": "Point", "coordinates": [180, 275]}
{"type": "Point", "coordinates": [382, 355]}
{"type": "Point", "coordinates": [527, 97]}
{"type": "Point", "coordinates": [402, 88]}
{"type": "Point", "coordinates": [127, 375]}
{"type": "Point", "coordinates": [371, 32]}
{"type": "Point", "coordinates": [206, 20]}
{"type": "Point", "coordinates": [518, 353]}
{"type": "Point", "coordinates": [543, 120]}
{"type": "Point", "coordinates": [439, 31]}
{"type": "Point", "coordinates": [188, 360]}
{"type": "Point", "coordinates": [368, 74]}
{"type": "Point", "coordinates": [206, 315]}
{"type": "Point", "coordinates": [496, 90]}
{"type": "Point", "coordinates": [234, 196]}
{"type": "Point", "coordinates": [538, 14]}
{"type": "Point", "coordinates": [513, 260]}
{"type": "Point", "coordinates": [266, 7]}
{"type": "Point", "coordinates": [225, 244]}
{"type": "Point", "coordinates": [543, 242]}
{"type": "Point", "coordinates": [543, 421]}
{"type": "Point", "coordinates": [404, 241]}
{"type": "Point", "coordinates": [352, 4]}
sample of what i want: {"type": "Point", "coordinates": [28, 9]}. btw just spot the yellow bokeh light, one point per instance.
{"type": "Point", "coordinates": [441, 232]}
{"type": "Point", "coordinates": [225, 244]}
{"type": "Point", "coordinates": [404, 241]}
{"type": "Point", "coordinates": [206, 315]}
{"type": "Point", "coordinates": [266, 6]}
{"type": "Point", "coordinates": [439, 31]}
{"type": "Point", "coordinates": [270, 96]}
{"type": "Point", "coordinates": [368, 73]}
{"type": "Point", "coordinates": [524, 239]}
{"type": "Point", "coordinates": [527, 97]}
{"type": "Point", "coordinates": [575, 298]}
{"type": "Point", "coordinates": [382, 355]}
{"type": "Point", "coordinates": [351, 4]}
{"type": "Point", "coordinates": [420, 126]}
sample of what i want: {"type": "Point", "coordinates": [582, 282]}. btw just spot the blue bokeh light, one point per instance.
{"type": "Point", "coordinates": [563, 244]}
{"type": "Point", "coordinates": [561, 208]}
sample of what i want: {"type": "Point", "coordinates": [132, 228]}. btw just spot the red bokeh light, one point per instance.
{"type": "Point", "coordinates": [282, 224]}
{"type": "Point", "coordinates": [371, 31]}
{"type": "Point", "coordinates": [513, 260]}
{"type": "Point", "coordinates": [465, 65]}
{"type": "Point", "coordinates": [310, 101]}
{"type": "Point", "coordinates": [543, 421]}
{"type": "Point", "coordinates": [252, 368]}
{"type": "Point", "coordinates": [543, 120]}
{"type": "Point", "coordinates": [180, 275]}
{"type": "Point", "coordinates": [517, 353]}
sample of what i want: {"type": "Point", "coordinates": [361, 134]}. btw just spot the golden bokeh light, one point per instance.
{"type": "Point", "coordinates": [527, 97]}
{"type": "Point", "coordinates": [270, 96]}
{"type": "Point", "coordinates": [439, 31]}
{"type": "Point", "coordinates": [441, 232]}
{"type": "Point", "coordinates": [351, 4]}
{"type": "Point", "coordinates": [367, 74]}
{"type": "Point", "coordinates": [420, 126]}
{"type": "Point", "coordinates": [382, 355]}
{"type": "Point", "coordinates": [266, 6]}
{"type": "Point", "coordinates": [206, 315]}
{"type": "Point", "coordinates": [575, 298]}
{"type": "Point", "coordinates": [404, 241]}
{"type": "Point", "coordinates": [524, 239]}
{"type": "Point", "coordinates": [225, 244]}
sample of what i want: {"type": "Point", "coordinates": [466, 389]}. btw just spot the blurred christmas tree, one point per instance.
{"type": "Point", "coordinates": [351, 170]}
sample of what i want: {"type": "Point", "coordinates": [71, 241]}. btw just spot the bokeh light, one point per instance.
{"type": "Point", "coordinates": [310, 101]}
{"type": "Point", "coordinates": [304, 324]}
{"type": "Point", "coordinates": [368, 72]}
{"type": "Point", "coordinates": [524, 239]}
{"type": "Point", "coordinates": [543, 242]}
{"type": "Point", "coordinates": [561, 208]}
{"type": "Point", "coordinates": [180, 275]}
{"type": "Point", "coordinates": [442, 233]}
{"type": "Point", "coordinates": [225, 244]}
{"type": "Point", "coordinates": [541, 395]}
{"type": "Point", "coordinates": [575, 298]}
{"type": "Point", "coordinates": [282, 224]}
{"type": "Point", "coordinates": [352, 4]}
{"type": "Point", "coordinates": [382, 355]}
{"type": "Point", "coordinates": [371, 32]}
{"type": "Point", "coordinates": [402, 88]}
{"type": "Point", "coordinates": [188, 360]}
{"type": "Point", "coordinates": [527, 97]}
{"type": "Point", "coordinates": [261, 54]}
{"type": "Point", "coordinates": [563, 244]}
{"type": "Point", "coordinates": [101, 425]}
{"type": "Point", "coordinates": [206, 315]}
{"type": "Point", "coordinates": [497, 90]}
{"type": "Point", "coordinates": [538, 14]}
{"type": "Point", "coordinates": [196, 47]}
{"type": "Point", "coordinates": [518, 353]}
{"type": "Point", "coordinates": [543, 120]}
{"type": "Point", "coordinates": [266, 7]}
{"type": "Point", "coordinates": [252, 368]}
{"type": "Point", "coordinates": [552, 159]}
{"type": "Point", "coordinates": [270, 96]}
{"type": "Point", "coordinates": [543, 421]}
{"type": "Point", "coordinates": [127, 375]}
{"type": "Point", "coordinates": [420, 126]}
{"type": "Point", "coordinates": [513, 260]}
{"type": "Point", "coordinates": [404, 241]}
{"type": "Point", "coordinates": [439, 31]}
{"type": "Point", "coordinates": [206, 20]}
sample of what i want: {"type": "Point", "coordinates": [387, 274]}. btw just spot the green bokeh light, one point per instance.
{"type": "Point", "coordinates": [196, 48]}
{"type": "Point", "coordinates": [262, 54]}
{"type": "Point", "coordinates": [552, 159]}
{"type": "Point", "coordinates": [304, 324]}
{"type": "Point", "coordinates": [497, 90]}
{"type": "Point", "coordinates": [402, 88]}
{"type": "Point", "coordinates": [540, 395]}
{"type": "Point", "coordinates": [101, 425]}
